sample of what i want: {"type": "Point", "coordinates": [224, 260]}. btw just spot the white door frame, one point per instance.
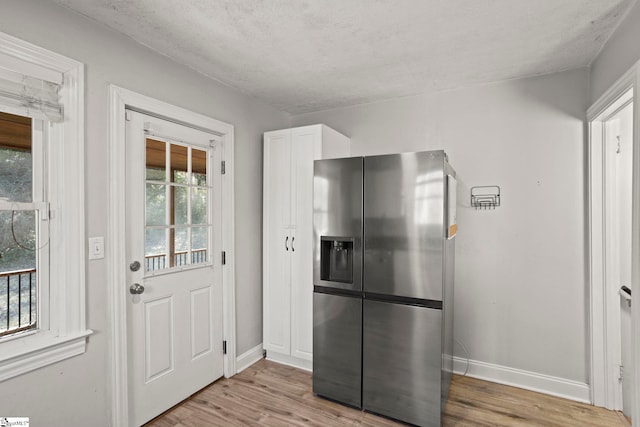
{"type": "Point", "coordinates": [603, 382]}
{"type": "Point", "coordinates": [119, 99]}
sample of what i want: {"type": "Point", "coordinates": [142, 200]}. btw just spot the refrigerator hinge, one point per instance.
{"type": "Point", "coordinates": [223, 167]}
{"type": "Point", "coordinates": [224, 257]}
{"type": "Point", "coordinates": [224, 347]}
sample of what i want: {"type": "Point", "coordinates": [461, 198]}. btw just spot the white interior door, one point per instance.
{"type": "Point", "coordinates": [618, 178]}
{"type": "Point", "coordinates": [624, 179]}
{"type": "Point", "coordinates": [173, 229]}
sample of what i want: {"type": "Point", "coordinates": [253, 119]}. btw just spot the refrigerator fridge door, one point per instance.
{"type": "Point", "coordinates": [337, 223]}
{"type": "Point", "coordinates": [402, 362]}
{"type": "Point", "coordinates": [337, 347]}
{"type": "Point", "coordinates": [404, 203]}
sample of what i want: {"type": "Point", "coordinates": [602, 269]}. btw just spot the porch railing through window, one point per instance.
{"type": "Point", "coordinates": [159, 261]}
{"type": "Point", "coordinates": [18, 305]}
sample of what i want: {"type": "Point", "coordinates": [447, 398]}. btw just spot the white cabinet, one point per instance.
{"type": "Point", "coordinates": [287, 260]}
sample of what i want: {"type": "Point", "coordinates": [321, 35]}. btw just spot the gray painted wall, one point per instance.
{"type": "Point", "coordinates": [75, 392]}
{"type": "Point", "coordinates": [621, 51]}
{"type": "Point", "coordinates": [520, 296]}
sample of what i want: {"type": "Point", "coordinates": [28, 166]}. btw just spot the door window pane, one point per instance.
{"type": "Point", "coordinates": [179, 164]}
{"type": "Point", "coordinates": [156, 160]}
{"type": "Point", "coordinates": [181, 204]}
{"type": "Point", "coordinates": [199, 167]}
{"type": "Point", "coordinates": [199, 244]}
{"type": "Point", "coordinates": [155, 252]}
{"type": "Point", "coordinates": [156, 204]}
{"type": "Point", "coordinates": [199, 206]}
{"type": "Point", "coordinates": [181, 246]}
{"type": "Point", "coordinates": [199, 238]}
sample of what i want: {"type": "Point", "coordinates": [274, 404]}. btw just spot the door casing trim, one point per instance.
{"type": "Point", "coordinates": [119, 100]}
{"type": "Point", "coordinates": [602, 380]}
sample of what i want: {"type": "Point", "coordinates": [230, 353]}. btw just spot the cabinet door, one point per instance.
{"type": "Point", "coordinates": [305, 148]}
{"type": "Point", "coordinates": [277, 242]}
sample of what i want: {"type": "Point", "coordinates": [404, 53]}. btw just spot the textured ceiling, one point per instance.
{"type": "Point", "coordinates": [310, 55]}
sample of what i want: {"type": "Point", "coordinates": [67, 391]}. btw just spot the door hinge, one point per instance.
{"type": "Point", "coordinates": [223, 167]}
{"type": "Point", "coordinates": [224, 347]}
{"type": "Point", "coordinates": [127, 115]}
{"type": "Point", "coordinates": [224, 257]}
{"type": "Point", "coordinates": [620, 373]}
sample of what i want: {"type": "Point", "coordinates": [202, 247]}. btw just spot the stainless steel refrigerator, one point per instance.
{"type": "Point", "coordinates": [383, 283]}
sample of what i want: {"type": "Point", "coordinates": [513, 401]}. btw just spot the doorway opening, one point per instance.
{"type": "Point", "coordinates": [613, 243]}
{"type": "Point", "coordinates": [618, 179]}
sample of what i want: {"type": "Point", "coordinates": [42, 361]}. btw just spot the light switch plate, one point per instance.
{"type": "Point", "coordinates": [96, 247]}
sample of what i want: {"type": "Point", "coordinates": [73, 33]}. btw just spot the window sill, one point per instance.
{"type": "Point", "coordinates": [38, 350]}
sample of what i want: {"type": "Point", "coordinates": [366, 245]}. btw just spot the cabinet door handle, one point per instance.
{"type": "Point", "coordinates": [292, 248]}
{"type": "Point", "coordinates": [286, 243]}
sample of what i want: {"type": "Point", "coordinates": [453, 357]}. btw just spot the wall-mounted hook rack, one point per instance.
{"type": "Point", "coordinates": [485, 197]}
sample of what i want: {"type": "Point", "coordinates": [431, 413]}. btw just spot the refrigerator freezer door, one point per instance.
{"type": "Point", "coordinates": [337, 222]}
{"type": "Point", "coordinates": [404, 204]}
{"type": "Point", "coordinates": [337, 347]}
{"type": "Point", "coordinates": [402, 362]}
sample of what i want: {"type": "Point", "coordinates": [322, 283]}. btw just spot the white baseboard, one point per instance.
{"type": "Point", "coordinates": [285, 359]}
{"type": "Point", "coordinates": [555, 386]}
{"type": "Point", "coordinates": [248, 358]}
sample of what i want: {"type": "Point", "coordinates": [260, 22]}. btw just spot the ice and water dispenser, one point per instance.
{"type": "Point", "coordinates": [336, 259]}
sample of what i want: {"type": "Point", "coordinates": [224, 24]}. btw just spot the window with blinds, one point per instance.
{"type": "Point", "coordinates": [42, 237]}
{"type": "Point", "coordinates": [29, 101]}
{"type": "Point", "coordinates": [35, 94]}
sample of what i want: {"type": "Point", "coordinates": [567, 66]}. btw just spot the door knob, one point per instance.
{"type": "Point", "coordinates": [136, 289]}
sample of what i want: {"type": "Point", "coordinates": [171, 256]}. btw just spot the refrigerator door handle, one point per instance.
{"type": "Point", "coordinates": [286, 243]}
{"type": "Point", "coordinates": [292, 240]}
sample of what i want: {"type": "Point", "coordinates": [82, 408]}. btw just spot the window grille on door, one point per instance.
{"type": "Point", "coordinates": [177, 224]}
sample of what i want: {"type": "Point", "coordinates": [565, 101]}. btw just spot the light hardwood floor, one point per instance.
{"type": "Point", "coordinates": [270, 394]}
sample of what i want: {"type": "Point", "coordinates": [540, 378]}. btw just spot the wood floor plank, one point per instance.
{"type": "Point", "coordinates": [271, 394]}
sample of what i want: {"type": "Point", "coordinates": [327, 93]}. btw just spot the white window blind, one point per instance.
{"type": "Point", "coordinates": [35, 95]}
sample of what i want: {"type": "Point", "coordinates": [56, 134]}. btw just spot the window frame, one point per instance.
{"type": "Point", "coordinates": [66, 334]}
